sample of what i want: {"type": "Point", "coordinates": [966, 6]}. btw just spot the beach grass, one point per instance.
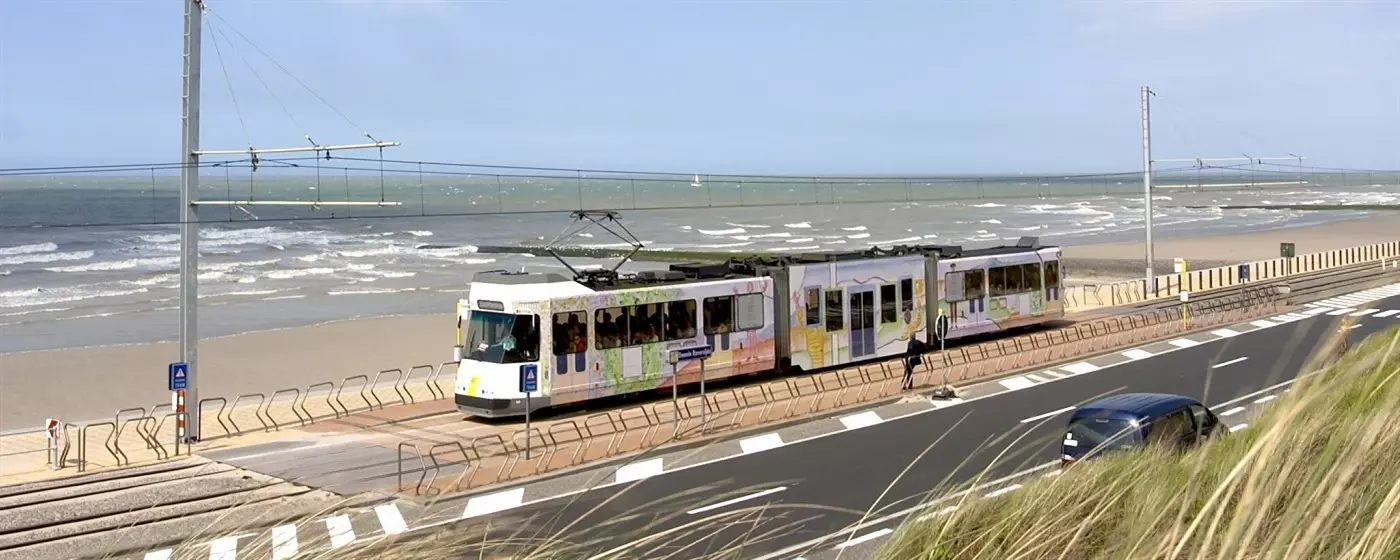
{"type": "Point", "coordinates": [1316, 475]}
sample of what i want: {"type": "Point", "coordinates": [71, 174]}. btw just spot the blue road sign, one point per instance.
{"type": "Point", "coordinates": [179, 376]}
{"type": "Point", "coordinates": [694, 353]}
{"type": "Point", "coordinates": [940, 326]}
{"type": "Point", "coordinates": [529, 378]}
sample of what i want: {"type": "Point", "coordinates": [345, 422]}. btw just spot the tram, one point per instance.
{"type": "Point", "coordinates": [602, 334]}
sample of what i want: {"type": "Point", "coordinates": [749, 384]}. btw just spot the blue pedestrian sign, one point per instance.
{"type": "Point", "coordinates": [179, 376]}
{"type": "Point", "coordinates": [529, 378]}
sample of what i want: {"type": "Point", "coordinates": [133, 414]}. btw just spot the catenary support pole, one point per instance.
{"type": "Point", "coordinates": [189, 217]}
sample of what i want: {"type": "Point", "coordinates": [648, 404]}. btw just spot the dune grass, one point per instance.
{"type": "Point", "coordinates": [1315, 475]}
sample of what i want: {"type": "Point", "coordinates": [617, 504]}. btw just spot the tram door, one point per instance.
{"type": "Point", "coordinates": [862, 306]}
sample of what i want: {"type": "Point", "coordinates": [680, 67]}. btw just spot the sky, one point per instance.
{"type": "Point", "coordinates": [714, 86]}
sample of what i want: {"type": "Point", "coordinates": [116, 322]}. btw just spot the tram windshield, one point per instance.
{"type": "Point", "coordinates": [503, 338]}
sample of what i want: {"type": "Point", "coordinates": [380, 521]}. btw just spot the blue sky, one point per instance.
{"type": "Point", "coordinates": [720, 86]}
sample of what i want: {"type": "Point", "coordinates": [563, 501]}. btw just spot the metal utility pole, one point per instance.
{"type": "Point", "coordinates": [1151, 285]}
{"type": "Point", "coordinates": [189, 217]}
{"type": "Point", "coordinates": [189, 203]}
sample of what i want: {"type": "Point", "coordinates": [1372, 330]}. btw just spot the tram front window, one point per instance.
{"type": "Point", "coordinates": [503, 338]}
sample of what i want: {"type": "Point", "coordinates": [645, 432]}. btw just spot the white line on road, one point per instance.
{"type": "Point", "coordinates": [944, 511]}
{"type": "Point", "coordinates": [1017, 383]}
{"type": "Point", "coordinates": [1351, 327]}
{"type": "Point", "coordinates": [634, 471]}
{"type": "Point", "coordinates": [1263, 324]}
{"type": "Point", "coordinates": [159, 554]}
{"type": "Point", "coordinates": [390, 519]}
{"type": "Point", "coordinates": [1137, 354]}
{"type": "Point", "coordinates": [761, 443]}
{"type": "Point", "coordinates": [1007, 490]}
{"type": "Point", "coordinates": [1080, 368]}
{"type": "Point", "coordinates": [225, 548]}
{"type": "Point", "coordinates": [1388, 312]}
{"type": "Point", "coordinates": [1262, 400]}
{"type": "Point", "coordinates": [342, 533]}
{"type": "Point", "coordinates": [1233, 411]}
{"type": "Point", "coordinates": [1341, 311]}
{"type": "Point", "coordinates": [856, 421]}
{"type": "Point", "coordinates": [1238, 427]}
{"type": "Point", "coordinates": [1036, 379]}
{"type": "Point", "coordinates": [499, 501]}
{"type": "Point", "coordinates": [1364, 312]}
{"type": "Point", "coordinates": [1231, 362]}
{"type": "Point", "coordinates": [1224, 333]}
{"type": "Point", "coordinates": [1316, 310]}
{"type": "Point", "coordinates": [284, 542]}
{"type": "Point", "coordinates": [728, 503]}
{"type": "Point", "coordinates": [1184, 343]}
{"type": "Point", "coordinates": [865, 537]}
{"type": "Point", "coordinates": [1047, 415]}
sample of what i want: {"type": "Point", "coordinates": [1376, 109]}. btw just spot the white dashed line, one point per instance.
{"type": "Point", "coordinates": [941, 512]}
{"type": "Point", "coordinates": [1017, 383]}
{"type": "Point", "coordinates": [342, 533]}
{"type": "Point", "coordinates": [1080, 368]}
{"type": "Point", "coordinates": [1184, 343]}
{"type": "Point", "coordinates": [761, 443]}
{"type": "Point", "coordinates": [1231, 362]}
{"type": "Point", "coordinates": [1137, 354]}
{"type": "Point", "coordinates": [1233, 411]}
{"type": "Point", "coordinates": [284, 542]}
{"type": "Point", "coordinates": [634, 471]}
{"type": "Point", "coordinates": [1238, 427]}
{"type": "Point", "coordinates": [159, 555]}
{"type": "Point", "coordinates": [483, 505]}
{"type": "Point", "coordinates": [1262, 400]}
{"type": "Point", "coordinates": [1388, 312]}
{"type": "Point", "coordinates": [1224, 333]}
{"type": "Point", "coordinates": [390, 518]}
{"type": "Point", "coordinates": [1263, 324]}
{"type": "Point", "coordinates": [1036, 379]}
{"type": "Point", "coordinates": [864, 419]}
{"type": "Point", "coordinates": [1003, 491]}
{"type": "Point", "coordinates": [1364, 312]}
{"type": "Point", "coordinates": [865, 537]}
{"type": "Point", "coordinates": [728, 503]}
{"type": "Point", "coordinates": [1341, 311]}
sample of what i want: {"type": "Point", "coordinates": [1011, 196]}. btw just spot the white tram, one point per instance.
{"type": "Point", "coordinates": [600, 335]}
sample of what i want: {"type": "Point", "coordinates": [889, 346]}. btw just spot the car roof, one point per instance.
{"type": "Point", "coordinates": [1135, 404]}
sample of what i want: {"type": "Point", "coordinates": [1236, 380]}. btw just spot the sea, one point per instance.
{"type": "Point", "coordinates": [92, 259]}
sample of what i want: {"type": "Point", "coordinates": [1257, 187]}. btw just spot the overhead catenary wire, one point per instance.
{"type": "Point", "coordinates": [219, 55]}
{"type": "Point", "coordinates": [219, 31]}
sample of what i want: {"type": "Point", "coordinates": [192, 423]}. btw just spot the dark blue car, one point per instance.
{"type": "Point", "coordinates": [1132, 420]}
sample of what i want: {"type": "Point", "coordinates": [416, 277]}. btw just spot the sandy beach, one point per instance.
{"type": "Point", "coordinates": [87, 383]}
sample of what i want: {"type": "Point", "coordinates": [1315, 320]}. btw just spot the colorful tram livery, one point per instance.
{"type": "Point", "coordinates": [600, 334]}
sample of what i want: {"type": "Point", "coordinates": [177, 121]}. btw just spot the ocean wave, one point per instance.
{"type": "Point", "coordinates": [124, 264]}
{"type": "Point", "coordinates": [803, 248]}
{"type": "Point", "coordinates": [392, 273]}
{"type": "Point", "coordinates": [801, 240]}
{"type": "Point", "coordinates": [286, 274]}
{"type": "Point", "coordinates": [722, 231]}
{"type": "Point", "coordinates": [153, 280]}
{"type": "Point", "coordinates": [900, 240]}
{"type": "Point", "coordinates": [757, 226]}
{"type": "Point", "coordinates": [992, 221]}
{"type": "Point", "coordinates": [988, 205]}
{"type": "Point", "coordinates": [370, 291]}
{"type": "Point", "coordinates": [854, 228]}
{"type": "Point", "coordinates": [446, 252]}
{"type": "Point", "coordinates": [858, 236]}
{"type": "Point", "coordinates": [723, 245]}
{"type": "Point", "coordinates": [32, 311]}
{"type": "Point", "coordinates": [419, 233]}
{"type": "Point", "coordinates": [799, 225]}
{"type": "Point", "coordinates": [50, 296]}
{"type": "Point", "coordinates": [241, 293]}
{"type": "Point", "coordinates": [28, 249]}
{"type": "Point", "coordinates": [33, 258]}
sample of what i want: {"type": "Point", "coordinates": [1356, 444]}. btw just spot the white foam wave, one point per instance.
{"type": "Point", "coordinates": [299, 272]}
{"type": "Point", "coordinates": [855, 228]}
{"type": "Point", "coordinates": [900, 240]}
{"type": "Point", "coordinates": [27, 249]}
{"type": "Point", "coordinates": [992, 221]}
{"type": "Point", "coordinates": [31, 311]}
{"type": "Point", "coordinates": [240, 293]}
{"type": "Point", "coordinates": [392, 273]}
{"type": "Point", "coordinates": [724, 245]}
{"type": "Point", "coordinates": [988, 205]}
{"type": "Point", "coordinates": [32, 258]}
{"type": "Point", "coordinates": [799, 225]}
{"type": "Point", "coordinates": [155, 280]}
{"type": "Point", "coordinates": [419, 233]}
{"type": "Point", "coordinates": [758, 226]}
{"type": "Point", "coordinates": [731, 231]}
{"type": "Point", "coordinates": [801, 240]}
{"type": "Point", "coordinates": [50, 296]}
{"type": "Point", "coordinates": [125, 264]}
{"type": "Point", "coordinates": [803, 248]}
{"type": "Point", "coordinates": [858, 236]}
{"type": "Point", "coordinates": [371, 291]}
{"type": "Point", "coordinates": [445, 252]}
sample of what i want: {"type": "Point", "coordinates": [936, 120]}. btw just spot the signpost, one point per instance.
{"type": "Point", "coordinates": [685, 355]}
{"type": "Point", "coordinates": [529, 383]}
{"type": "Point", "coordinates": [940, 330]}
{"type": "Point", "coordinates": [51, 425]}
{"type": "Point", "coordinates": [1286, 250]}
{"type": "Point", "coordinates": [1185, 298]}
{"type": "Point", "coordinates": [178, 379]}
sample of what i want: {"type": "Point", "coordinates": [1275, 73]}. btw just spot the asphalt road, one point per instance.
{"type": "Point", "coordinates": [792, 494]}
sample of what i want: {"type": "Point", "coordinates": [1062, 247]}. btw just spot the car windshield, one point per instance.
{"type": "Point", "coordinates": [502, 338]}
{"type": "Point", "coordinates": [1108, 433]}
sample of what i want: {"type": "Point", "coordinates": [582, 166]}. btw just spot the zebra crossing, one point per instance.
{"type": "Point", "coordinates": [1356, 302]}
{"type": "Point", "coordinates": [286, 541]}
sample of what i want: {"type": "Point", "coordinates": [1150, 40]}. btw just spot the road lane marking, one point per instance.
{"type": "Point", "coordinates": [159, 554]}
{"type": "Point", "coordinates": [1017, 383]}
{"type": "Point", "coordinates": [1233, 411]}
{"type": "Point", "coordinates": [1055, 374]}
{"type": "Point", "coordinates": [390, 518]}
{"type": "Point", "coordinates": [1183, 343]}
{"type": "Point", "coordinates": [945, 403]}
{"type": "Point", "coordinates": [342, 533]}
{"type": "Point", "coordinates": [941, 512]}
{"type": "Point", "coordinates": [865, 537]}
{"type": "Point", "coordinates": [856, 421]}
{"type": "Point", "coordinates": [1224, 333]}
{"type": "Point", "coordinates": [1316, 310]}
{"type": "Point", "coordinates": [499, 501]}
{"type": "Point", "coordinates": [1231, 362]}
{"type": "Point", "coordinates": [1036, 379]}
{"type": "Point", "coordinates": [1238, 427]}
{"type": "Point", "coordinates": [225, 548]}
{"type": "Point", "coordinates": [284, 542]}
{"type": "Point", "coordinates": [1003, 491]}
{"type": "Point", "coordinates": [1137, 354]}
{"type": "Point", "coordinates": [1364, 312]}
{"type": "Point", "coordinates": [1080, 368]}
{"type": "Point", "coordinates": [637, 471]}
{"type": "Point", "coordinates": [1262, 400]}
{"type": "Point", "coordinates": [1053, 473]}
{"type": "Point", "coordinates": [1388, 312]}
{"type": "Point", "coordinates": [1341, 311]}
{"type": "Point", "coordinates": [1351, 327]}
{"type": "Point", "coordinates": [1047, 415]}
{"type": "Point", "coordinates": [761, 443]}
{"type": "Point", "coordinates": [1263, 324]}
{"type": "Point", "coordinates": [728, 503]}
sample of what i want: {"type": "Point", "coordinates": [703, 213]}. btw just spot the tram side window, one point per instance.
{"type": "Point", "coordinates": [680, 320]}
{"type": "Point", "coordinates": [609, 328]}
{"type": "Point", "coordinates": [1006, 280]}
{"type": "Point", "coordinates": [1030, 273]}
{"type": "Point", "coordinates": [814, 306]}
{"type": "Point", "coordinates": [889, 305]}
{"type": "Point", "coordinates": [719, 315]}
{"type": "Point", "coordinates": [644, 323]}
{"type": "Point", "coordinates": [570, 332]}
{"type": "Point", "coordinates": [835, 311]}
{"type": "Point", "coordinates": [1052, 274]}
{"type": "Point", "coordinates": [906, 292]}
{"type": "Point", "coordinates": [973, 284]}
{"type": "Point", "coordinates": [748, 312]}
